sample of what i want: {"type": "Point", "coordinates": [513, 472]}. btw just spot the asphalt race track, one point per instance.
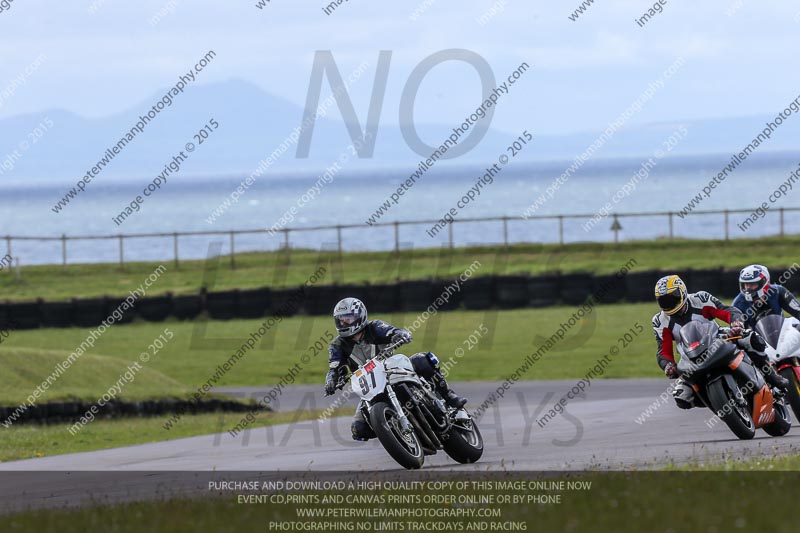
{"type": "Point", "coordinates": [597, 431]}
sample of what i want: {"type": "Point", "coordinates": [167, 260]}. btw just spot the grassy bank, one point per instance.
{"type": "Point", "coordinates": [279, 269]}
{"type": "Point", "coordinates": [615, 501]}
{"type": "Point", "coordinates": [23, 369]}
{"type": "Point", "coordinates": [194, 353]}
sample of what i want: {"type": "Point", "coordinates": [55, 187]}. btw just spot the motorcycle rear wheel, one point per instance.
{"type": "Point", "coordinates": [782, 423]}
{"type": "Point", "coordinates": [464, 446]}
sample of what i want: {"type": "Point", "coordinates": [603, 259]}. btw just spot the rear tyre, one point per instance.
{"type": "Point", "coordinates": [406, 450]}
{"type": "Point", "coordinates": [464, 446]}
{"type": "Point", "coordinates": [794, 390]}
{"type": "Point", "coordinates": [736, 417]}
{"type": "Point", "coordinates": [782, 423]}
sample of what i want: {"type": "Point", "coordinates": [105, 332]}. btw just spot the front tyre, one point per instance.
{"type": "Point", "coordinates": [464, 445]}
{"type": "Point", "coordinates": [794, 390]}
{"type": "Point", "coordinates": [405, 449]}
{"type": "Point", "coordinates": [737, 417]}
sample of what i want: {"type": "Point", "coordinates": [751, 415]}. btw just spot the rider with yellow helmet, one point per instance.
{"type": "Point", "coordinates": [678, 308]}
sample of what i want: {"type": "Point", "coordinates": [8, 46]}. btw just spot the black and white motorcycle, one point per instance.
{"type": "Point", "coordinates": [783, 350]}
{"type": "Point", "coordinates": [409, 417]}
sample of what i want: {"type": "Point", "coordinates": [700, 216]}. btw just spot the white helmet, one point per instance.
{"type": "Point", "coordinates": [754, 274]}
{"type": "Point", "coordinates": [350, 316]}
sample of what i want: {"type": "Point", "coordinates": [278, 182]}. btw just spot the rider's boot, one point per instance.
{"type": "Point", "coordinates": [450, 398]}
{"type": "Point", "coordinates": [759, 357]}
{"type": "Point", "coordinates": [774, 379]}
{"type": "Point", "coordinates": [426, 364]}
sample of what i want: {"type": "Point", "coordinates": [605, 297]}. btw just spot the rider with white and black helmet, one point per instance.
{"type": "Point", "coordinates": [361, 339]}
{"type": "Point", "coordinates": [758, 297]}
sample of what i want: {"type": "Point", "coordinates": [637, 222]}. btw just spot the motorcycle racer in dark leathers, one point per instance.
{"type": "Point", "coordinates": [759, 298]}
{"type": "Point", "coordinates": [359, 340]}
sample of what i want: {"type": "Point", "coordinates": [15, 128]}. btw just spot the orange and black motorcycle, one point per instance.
{"type": "Point", "coordinates": [728, 383]}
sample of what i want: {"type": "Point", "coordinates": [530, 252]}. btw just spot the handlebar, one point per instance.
{"type": "Point", "coordinates": [389, 349]}
{"type": "Point", "coordinates": [380, 356]}
{"type": "Point", "coordinates": [726, 332]}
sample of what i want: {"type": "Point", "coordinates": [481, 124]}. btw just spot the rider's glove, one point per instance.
{"type": "Point", "coordinates": [332, 379]}
{"type": "Point", "coordinates": [402, 336]}
{"type": "Point", "coordinates": [736, 328]}
{"type": "Point", "coordinates": [671, 370]}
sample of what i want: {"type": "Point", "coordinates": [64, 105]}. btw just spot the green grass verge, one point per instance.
{"type": "Point", "coordinates": [616, 501]}
{"type": "Point", "coordinates": [33, 440]}
{"type": "Point", "coordinates": [196, 350]}
{"type": "Point", "coordinates": [279, 269]}
{"type": "Point", "coordinates": [787, 462]}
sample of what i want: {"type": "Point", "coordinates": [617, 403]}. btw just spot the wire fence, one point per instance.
{"type": "Point", "coordinates": [497, 226]}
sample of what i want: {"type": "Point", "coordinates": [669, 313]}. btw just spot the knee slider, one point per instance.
{"type": "Point", "coordinates": [683, 404]}
{"type": "Point", "coordinates": [361, 430]}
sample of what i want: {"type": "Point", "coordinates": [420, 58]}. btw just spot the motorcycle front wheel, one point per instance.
{"type": "Point", "coordinates": [736, 417]}
{"type": "Point", "coordinates": [794, 390]}
{"type": "Point", "coordinates": [405, 449]}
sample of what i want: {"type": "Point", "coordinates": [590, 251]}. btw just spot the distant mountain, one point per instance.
{"type": "Point", "coordinates": [253, 123]}
{"type": "Point", "coordinates": [704, 136]}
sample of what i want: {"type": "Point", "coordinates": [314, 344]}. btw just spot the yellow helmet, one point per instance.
{"type": "Point", "coordinates": [671, 294]}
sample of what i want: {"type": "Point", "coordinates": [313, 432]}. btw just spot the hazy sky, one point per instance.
{"type": "Point", "coordinates": [586, 72]}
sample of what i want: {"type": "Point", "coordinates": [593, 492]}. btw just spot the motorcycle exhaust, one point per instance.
{"type": "Point", "coordinates": [428, 446]}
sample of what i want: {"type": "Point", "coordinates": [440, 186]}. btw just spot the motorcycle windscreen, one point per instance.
{"type": "Point", "coordinates": [769, 328]}
{"type": "Point", "coordinates": [696, 337]}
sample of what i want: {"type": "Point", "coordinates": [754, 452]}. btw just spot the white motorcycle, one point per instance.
{"type": "Point", "coordinates": [409, 417]}
{"type": "Point", "coordinates": [783, 349]}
